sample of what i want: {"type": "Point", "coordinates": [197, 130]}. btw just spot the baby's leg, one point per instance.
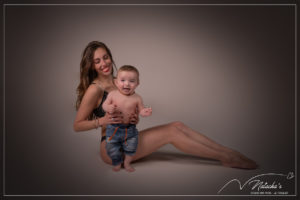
{"type": "Point", "coordinates": [114, 152]}
{"type": "Point", "coordinates": [117, 168]}
{"type": "Point", "coordinates": [127, 162]}
{"type": "Point", "coordinates": [129, 146]}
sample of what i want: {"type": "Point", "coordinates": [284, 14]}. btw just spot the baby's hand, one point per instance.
{"type": "Point", "coordinates": [146, 112]}
{"type": "Point", "coordinates": [111, 108]}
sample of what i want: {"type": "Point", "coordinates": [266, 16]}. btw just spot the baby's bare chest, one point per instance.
{"type": "Point", "coordinates": [127, 104]}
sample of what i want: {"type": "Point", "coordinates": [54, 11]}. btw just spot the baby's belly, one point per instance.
{"type": "Point", "coordinates": [126, 118]}
{"type": "Point", "coordinates": [127, 112]}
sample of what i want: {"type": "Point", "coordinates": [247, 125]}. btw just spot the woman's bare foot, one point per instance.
{"type": "Point", "coordinates": [242, 157]}
{"type": "Point", "coordinates": [237, 160]}
{"type": "Point", "coordinates": [117, 168]}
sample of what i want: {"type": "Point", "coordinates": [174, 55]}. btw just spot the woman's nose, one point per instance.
{"type": "Point", "coordinates": [103, 62]}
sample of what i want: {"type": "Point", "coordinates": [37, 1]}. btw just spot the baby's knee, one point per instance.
{"type": "Point", "coordinates": [130, 146]}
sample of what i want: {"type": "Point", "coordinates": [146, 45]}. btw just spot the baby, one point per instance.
{"type": "Point", "coordinates": [124, 136]}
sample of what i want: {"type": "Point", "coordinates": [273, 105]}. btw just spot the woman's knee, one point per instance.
{"type": "Point", "coordinates": [175, 129]}
{"type": "Point", "coordinates": [177, 124]}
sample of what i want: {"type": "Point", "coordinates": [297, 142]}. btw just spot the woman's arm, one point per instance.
{"type": "Point", "coordinates": [88, 103]}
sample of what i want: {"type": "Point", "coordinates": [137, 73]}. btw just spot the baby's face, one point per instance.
{"type": "Point", "coordinates": [126, 82]}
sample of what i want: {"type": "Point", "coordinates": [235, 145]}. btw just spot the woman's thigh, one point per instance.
{"type": "Point", "coordinates": [152, 139]}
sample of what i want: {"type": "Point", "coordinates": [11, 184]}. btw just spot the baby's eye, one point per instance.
{"type": "Point", "coordinates": [132, 81]}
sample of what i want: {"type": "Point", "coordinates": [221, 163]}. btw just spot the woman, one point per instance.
{"type": "Point", "coordinates": [96, 81]}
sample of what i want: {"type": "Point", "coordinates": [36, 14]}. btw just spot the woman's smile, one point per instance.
{"type": "Point", "coordinates": [105, 69]}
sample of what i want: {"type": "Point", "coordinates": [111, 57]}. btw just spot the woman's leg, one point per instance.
{"type": "Point", "coordinates": [103, 153]}
{"type": "Point", "coordinates": [153, 138]}
{"type": "Point", "coordinates": [199, 137]}
{"type": "Point", "coordinates": [207, 141]}
{"type": "Point", "coordinates": [185, 140]}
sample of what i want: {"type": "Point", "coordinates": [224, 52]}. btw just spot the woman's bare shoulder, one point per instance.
{"type": "Point", "coordinates": [94, 90]}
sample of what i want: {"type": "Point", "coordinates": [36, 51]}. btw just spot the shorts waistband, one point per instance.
{"type": "Point", "coordinates": [123, 125]}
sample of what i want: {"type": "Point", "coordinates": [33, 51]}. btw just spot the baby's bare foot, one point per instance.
{"type": "Point", "coordinates": [129, 168]}
{"type": "Point", "coordinates": [117, 168]}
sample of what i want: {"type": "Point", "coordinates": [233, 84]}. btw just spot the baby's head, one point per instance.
{"type": "Point", "coordinates": [127, 79]}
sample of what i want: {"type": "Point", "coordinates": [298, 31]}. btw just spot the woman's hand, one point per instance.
{"type": "Point", "coordinates": [113, 118]}
{"type": "Point", "coordinates": [134, 118]}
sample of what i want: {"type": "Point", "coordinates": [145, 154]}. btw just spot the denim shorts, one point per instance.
{"type": "Point", "coordinates": [117, 141]}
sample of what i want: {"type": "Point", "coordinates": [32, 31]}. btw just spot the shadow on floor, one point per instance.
{"type": "Point", "coordinates": [178, 158]}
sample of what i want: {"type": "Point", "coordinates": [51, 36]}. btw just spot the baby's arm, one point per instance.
{"type": "Point", "coordinates": [108, 105]}
{"type": "Point", "coordinates": [144, 112]}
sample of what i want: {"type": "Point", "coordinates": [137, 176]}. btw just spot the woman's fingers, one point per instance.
{"type": "Point", "coordinates": [134, 119]}
{"type": "Point", "coordinates": [116, 118]}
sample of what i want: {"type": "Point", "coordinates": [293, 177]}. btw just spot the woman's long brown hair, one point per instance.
{"type": "Point", "coordinates": [87, 71]}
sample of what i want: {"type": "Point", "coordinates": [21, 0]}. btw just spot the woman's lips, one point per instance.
{"type": "Point", "coordinates": [105, 69]}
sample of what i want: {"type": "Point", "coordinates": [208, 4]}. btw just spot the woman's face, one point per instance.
{"type": "Point", "coordinates": [102, 62]}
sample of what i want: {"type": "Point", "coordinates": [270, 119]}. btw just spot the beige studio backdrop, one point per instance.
{"type": "Point", "coordinates": [225, 71]}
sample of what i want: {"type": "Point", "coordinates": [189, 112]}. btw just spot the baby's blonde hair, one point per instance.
{"type": "Point", "coordinates": [129, 68]}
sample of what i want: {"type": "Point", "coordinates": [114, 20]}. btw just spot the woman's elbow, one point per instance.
{"type": "Point", "coordinates": [75, 127]}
